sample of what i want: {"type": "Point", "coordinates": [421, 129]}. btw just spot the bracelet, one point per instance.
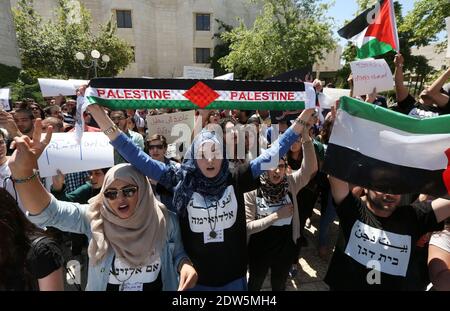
{"type": "Point", "coordinates": [111, 129]}
{"type": "Point", "coordinates": [304, 123]}
{"type": "Point", "coordinates": [26, 179]}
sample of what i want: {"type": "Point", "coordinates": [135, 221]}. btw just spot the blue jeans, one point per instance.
{"type": "Point", "coordinates": [326, 218]}
{"type": "Point", "coordinates": [236, 285]}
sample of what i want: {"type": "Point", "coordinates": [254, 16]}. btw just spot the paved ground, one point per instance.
{"type": "Point", "coordinates": [312, 267]}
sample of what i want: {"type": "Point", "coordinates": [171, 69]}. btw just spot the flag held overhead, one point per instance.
{"type": "Point", "coordinates": [374, 31]}
{"type": "Point", "coordinates": [130, 93]}
{"type": "Point", "coordinates": [386, 151]}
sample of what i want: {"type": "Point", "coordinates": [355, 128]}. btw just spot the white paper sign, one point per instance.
{"type": "Point", "coordinates": [77, 83]}
{"type": "Point", "coordinates": [176, 123]}
{"type": "Point", "coordinates": [227, 76]}
{"type": "Point", "coordinates": [134, 277]}
{"type": "Point", "coordinates": [56, 87]}
{"type": "Point", "coordinates": [390, 250]}
{"type": "Point", "coordinates": [447, 21]}
{"type": "Point", "coordinates": [190, 72]}
{"type": "Point", "coordinates": [4, 99]}
{"type": "Point", "coordinates": [335, 94]}
{"type": "Point", "coordinates": [220, 216]}
{"type": "Point", "coordinates": [63, 153]}
{"type": "Point", "coordinates": [264, 209]}
{"type": "Point", "coordinates": [369, 74]}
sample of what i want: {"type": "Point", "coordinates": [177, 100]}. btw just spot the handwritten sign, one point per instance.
{"type": "Point", "coordinates": [190, 72]}
{"type": "Point", "coordinates": [4, 99]}
{"type": "Point", "coordinates": [447, 21]}
{"type": "Point", "coordinates": [65, 154]}
{"type": "Point", "coordinates": [166, 124]}
{"type": "Point", "coordinates": [391, 250]}
{"type": "Point", "coordinates": [369, 74]}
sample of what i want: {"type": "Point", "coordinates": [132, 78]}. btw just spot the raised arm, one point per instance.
{"type": "Point", "coordinates": [23, 163]}
{"type": "Point", "coordinates": [339, 189]}
{"type": "Point", "coordinates": [44, 209]}
{"type": "Point", "coordinates": [435, 89]}
{"type": "Point", "coordinates": [401, 90]}
{"type": "Point", "coordinates": [281, 146]}
{"type": "Point", "coordinates": [127, 149]}
{"type": "Point", "coordinates": [309, 166]}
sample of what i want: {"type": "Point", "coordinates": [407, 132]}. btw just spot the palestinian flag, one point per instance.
{"type": "Point", "coordinates": [374, 32]}
{"type": "Point", "coordinates": [127, 93]}
{"type": "Point", "coordinates": [386, 151]}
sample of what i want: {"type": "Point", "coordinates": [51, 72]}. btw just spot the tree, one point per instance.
{"type": "Point", "coordinates": [286, 36]}
{"type": "Point", "coordinates": [221, 49]}
{"type": "Point", "coordinates": [425, 21]}
{"type": "Point", "coordinates": [48, 48]}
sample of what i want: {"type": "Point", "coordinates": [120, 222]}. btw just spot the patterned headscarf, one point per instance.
{"type": "Point", "coordinates": [273, 193]}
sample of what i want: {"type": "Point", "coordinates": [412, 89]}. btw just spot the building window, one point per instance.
{"type": "Point", "coordinates": [123, 19]}
{"type": "Point", "coordinates": [202, 22]}
{"type": "Point", "coordinates": [202, 55]}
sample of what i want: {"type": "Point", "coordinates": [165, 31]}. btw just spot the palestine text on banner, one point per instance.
{"type": "Point", "coordinates": [374, 31]}
{"type": "Point", "coordinates": [386, 151]}
{"type": "Point", "coordinates": [125, 93]}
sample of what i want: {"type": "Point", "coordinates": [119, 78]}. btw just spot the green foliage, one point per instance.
{"type": "Point", "coordinates": [221, 49]}
{"type": "Point", "coordinates": [287, 35]}
{"type": "Point", "coordinates": [25, 86]}
{"type": "Point", "coordinates": [8, 74]}
{"type": "Point", "coordinates": [48, 48]}
{"type": "Point", "coordinates": [425, 21]}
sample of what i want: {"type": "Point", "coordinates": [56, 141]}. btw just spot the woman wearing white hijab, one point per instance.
{"type": "Point", "coordinates": [135, 244]}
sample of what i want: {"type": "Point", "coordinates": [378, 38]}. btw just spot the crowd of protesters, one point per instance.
{"type": "Point", "coordinates": [203, 220]}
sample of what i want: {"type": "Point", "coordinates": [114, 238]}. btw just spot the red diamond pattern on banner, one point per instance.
{"type": "Point", "coordinates": [201, 94]}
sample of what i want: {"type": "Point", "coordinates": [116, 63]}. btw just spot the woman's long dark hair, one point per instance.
{"type": "Point", "coordinates": [16, 234]}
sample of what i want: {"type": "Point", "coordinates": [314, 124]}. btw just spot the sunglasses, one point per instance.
{"type": "Point", "coordinates": [150, 147]}
{"type": "Point", "coordinates": [127, 192]}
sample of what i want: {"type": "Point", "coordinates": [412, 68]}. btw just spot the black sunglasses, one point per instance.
{"type": "Point", "coordinates": [127, 192]}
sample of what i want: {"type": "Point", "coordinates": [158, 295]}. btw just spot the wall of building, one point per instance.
{"type": "Point", "coordinates": [163, 31]}
{"type": "Point", "coordinates": [435, 59]}
{"type": "Point", "coordinates": [9, 52]}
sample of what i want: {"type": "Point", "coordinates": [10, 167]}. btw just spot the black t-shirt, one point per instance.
{"type": "Point", "coordinates": [366, 241]}
{"type": "Point", "coordinates": [45, 256]}
{"type": "Point", "coordinates": [410, 107]}
{"type": "Point", "coordinates": [275, 241]}
{"type": "Point", "coordinates": [221, 259]}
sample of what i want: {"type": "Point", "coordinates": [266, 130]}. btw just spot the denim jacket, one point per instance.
{"type": "Point", "coordinates": [71, 217]}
